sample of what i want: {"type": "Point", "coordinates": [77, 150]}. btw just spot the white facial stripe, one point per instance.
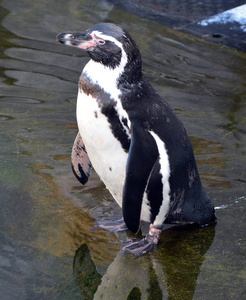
{"type": "Point", "coordinates": [165, 172]}
{"type": "Point", "coordinates": [106, 38]}
{"type": "Point", "coordinates": [116, 42]}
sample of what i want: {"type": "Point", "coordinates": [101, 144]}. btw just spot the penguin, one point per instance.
{"type": "Point", "coordinates": [133, 140]}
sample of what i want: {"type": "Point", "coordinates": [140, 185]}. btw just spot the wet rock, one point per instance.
{"type": "Point", "coordinates": [188, 16]}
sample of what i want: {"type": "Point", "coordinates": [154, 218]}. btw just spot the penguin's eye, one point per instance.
{"type": "Point", "coordinates": [101, 42]}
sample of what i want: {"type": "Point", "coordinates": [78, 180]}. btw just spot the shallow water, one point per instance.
{"type": "Point", "coordinates": [49, 246]}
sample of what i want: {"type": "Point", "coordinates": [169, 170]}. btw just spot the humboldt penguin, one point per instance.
{"type": "Point", "coordinates": [133, 140]}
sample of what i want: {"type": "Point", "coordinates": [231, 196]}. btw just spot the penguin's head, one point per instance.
{"type": "Point", "coordinates": [106, 43]}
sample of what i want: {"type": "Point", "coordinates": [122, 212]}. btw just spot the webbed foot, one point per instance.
{"type": "Point", "coordinates": [139, 247]}
{"type": "Point", "coordinates": [112, 224]}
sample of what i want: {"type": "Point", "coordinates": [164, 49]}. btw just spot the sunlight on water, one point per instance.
{"type": "Point", "coordinates": [238, 200]}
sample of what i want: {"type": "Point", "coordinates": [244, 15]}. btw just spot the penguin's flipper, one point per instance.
{"type": "Point", "coordinates": [81, 164]}
{"type": "Point", "coordinates": [142, 156]}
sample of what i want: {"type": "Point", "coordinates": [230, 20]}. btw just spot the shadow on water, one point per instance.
{"type": "Point", "coordinates": [46, 215]}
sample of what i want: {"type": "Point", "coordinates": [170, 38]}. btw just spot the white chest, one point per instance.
{"type": "Point", "coordinates": [105, 151]}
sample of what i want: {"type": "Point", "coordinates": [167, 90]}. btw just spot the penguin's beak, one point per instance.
{"type": "Point", "coordinates": [82, 40]}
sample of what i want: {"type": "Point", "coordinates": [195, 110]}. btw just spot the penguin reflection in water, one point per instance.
{"type": "Point", "coordinates": [133, 140]}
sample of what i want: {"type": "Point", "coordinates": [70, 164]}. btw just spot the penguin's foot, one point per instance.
{"type": "Point", "coordinates": [112, 224]}
{"type": "Point", "coordinates": [139, 247]}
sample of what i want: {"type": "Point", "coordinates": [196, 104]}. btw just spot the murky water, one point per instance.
{"type": "Point", "coordinates": [49, 248]}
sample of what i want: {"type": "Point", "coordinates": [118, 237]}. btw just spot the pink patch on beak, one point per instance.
{"type": "Point", "coordinates": [88, 44]}
{"type": "Point", "coordinates": [94, 42]}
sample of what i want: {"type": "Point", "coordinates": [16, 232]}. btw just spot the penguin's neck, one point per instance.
{"type": "Point", "coordinates": [106, 78]}
{"type": "Point", "coordinates": [109, 79]}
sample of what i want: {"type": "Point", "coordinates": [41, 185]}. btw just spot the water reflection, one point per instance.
{"type": "Point", "coordinates": [169, 273]}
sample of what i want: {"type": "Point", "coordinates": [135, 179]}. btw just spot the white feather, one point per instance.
{"type": "Point", "coordinates": [105, 151]}
{"type": "Point", "coordinates": [165, 172]}
{"type": "Point", "coordinates": [145, 209]}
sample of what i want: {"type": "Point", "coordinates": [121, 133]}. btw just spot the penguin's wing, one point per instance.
{"type": "Point", "coordinates": [81, 164]}
{"type": "Point", "coordinates": [142, 156]}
